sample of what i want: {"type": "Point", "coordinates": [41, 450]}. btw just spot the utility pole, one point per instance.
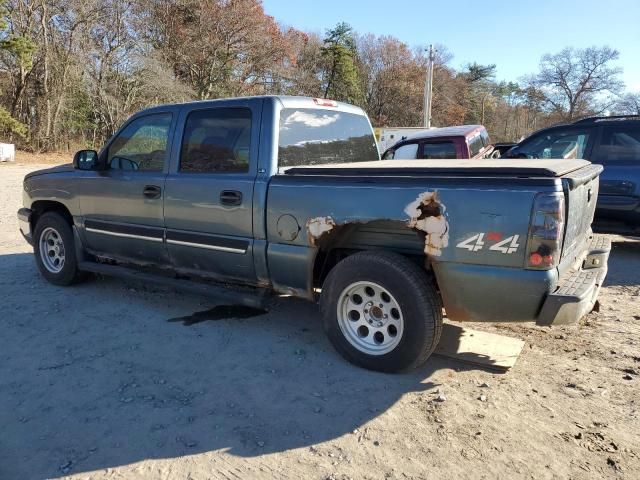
{"type": "Point", "coordinates": [428, 88]}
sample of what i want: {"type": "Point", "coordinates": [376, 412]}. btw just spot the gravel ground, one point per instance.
{"type": "Point", "coordinates": [95, 382]}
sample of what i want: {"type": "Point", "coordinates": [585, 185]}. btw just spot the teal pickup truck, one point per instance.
{"type": "Point", "coordinates": [251, 196]}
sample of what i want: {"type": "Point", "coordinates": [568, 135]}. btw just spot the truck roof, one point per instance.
{"type": "Point", "coordinates": [455, 131]}
{"type": "Point", "coordinates": [286, 101]}
{"type": "Point", "coordinates": [469, 167]}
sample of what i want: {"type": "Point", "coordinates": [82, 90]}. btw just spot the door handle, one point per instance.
{"type": "Point", "coordinates": [152, 191]}
{"type": "Point", "coordinates": [231, 197]}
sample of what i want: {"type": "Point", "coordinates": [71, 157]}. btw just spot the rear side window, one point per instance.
{"type": "Point", "coordinates": [311, 136]}
{"type": "Point", "coordinates": [216, 141]}
{"type": "Point", "coordinates": [619, 143]}
{"type": "Point", "coordinates": [475, 145]}
{"type": "Point", "coordinates": [437, 150]}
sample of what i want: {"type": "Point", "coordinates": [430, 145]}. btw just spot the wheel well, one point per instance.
{"type": "Point", "coordinates": [378, 235]}
{"type": "Point", "coordinates": [326, 260]}
{"type": "Point", "coordinates": [42, 206]}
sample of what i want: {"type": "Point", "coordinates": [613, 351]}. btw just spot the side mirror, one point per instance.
{"type": "Point", "coordinates": [85, 160]}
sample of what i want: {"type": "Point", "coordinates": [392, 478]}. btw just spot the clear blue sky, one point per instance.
{"type": "Point", "coordinates": [513, 34]}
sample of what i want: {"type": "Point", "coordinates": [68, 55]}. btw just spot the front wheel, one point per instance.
{"type": "Point", "coordinates": [54, 249]}
{"type": "Point", "coordinates": [381, 311]}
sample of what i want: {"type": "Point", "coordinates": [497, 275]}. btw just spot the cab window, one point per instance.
{"type": "Point", "coordinates": [437, 150]}
{"type": "Point", "coordinates": [313, 136]}
{"type": "Point", "coordinates": [142, 145]}
{"type": "Point", "coordinates": [216, 141]}
{"type": "Point", "coordinates": [404, 152]}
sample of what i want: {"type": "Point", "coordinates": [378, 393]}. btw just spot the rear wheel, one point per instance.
{"type": "Point", "coordinates": [54, 249]}
{"type": "Point", "coordinates": [381, 311]}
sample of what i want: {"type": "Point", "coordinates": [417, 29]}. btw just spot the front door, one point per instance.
{"type": "Point", "coordinates": [209, 194]}
{"type": "Point", "coordinates": [122, 205]}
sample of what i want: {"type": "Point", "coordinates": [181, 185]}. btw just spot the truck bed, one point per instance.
{"type": "Point", "coordinates": [545, 168]}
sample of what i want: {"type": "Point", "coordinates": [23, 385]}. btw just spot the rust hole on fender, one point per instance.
{"type": "Point", "coordinates": [427, 216]}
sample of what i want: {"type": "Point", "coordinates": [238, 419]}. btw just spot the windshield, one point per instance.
{"type": "Point", "coordinates": [555, 144]}
{"type": "Point", "coordinates": [310, 136]}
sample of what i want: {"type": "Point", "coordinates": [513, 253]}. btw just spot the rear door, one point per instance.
{"type": "Point", "coordinates": [619, 152]}
{"type": "Point", "coordinates": [209, 191]}
{"type": "Point", "coordinates": [122, 205]}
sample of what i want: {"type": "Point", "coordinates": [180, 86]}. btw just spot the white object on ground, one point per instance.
{"type": "Point", "coordinates": [7, 152]}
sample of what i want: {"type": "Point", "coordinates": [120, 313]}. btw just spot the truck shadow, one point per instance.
{"type": "Point", "coordinates": [94, 377]}
{"type": "Point", "coordinates": [624, 262]}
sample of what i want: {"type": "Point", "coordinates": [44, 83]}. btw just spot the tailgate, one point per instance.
{"type": "Point", "coordinates": [581, 194]}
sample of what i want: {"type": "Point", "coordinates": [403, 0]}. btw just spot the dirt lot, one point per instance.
{"type": "Point", "coordinates": [95, 382]}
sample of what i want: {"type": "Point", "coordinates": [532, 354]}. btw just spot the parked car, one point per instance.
{"type": "Point", "coordinates": [614, 143]}
{"type": "Point", "coordinates": [464, 141]}
{"type": "Point", "coordinates": [288, 195]}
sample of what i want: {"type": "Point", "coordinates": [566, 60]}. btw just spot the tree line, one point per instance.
{"type": "Point", "coordinates": [71, 71]}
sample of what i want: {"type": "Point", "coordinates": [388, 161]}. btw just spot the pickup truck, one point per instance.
{"type": "Point", "coordinates": [287, 195]}
{"type": "Point", "coordinates": [461, 141]}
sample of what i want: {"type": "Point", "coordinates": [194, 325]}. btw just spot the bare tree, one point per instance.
{"type": "Point", "coordinates": [578, 81]}
{"type": "Point", "coordinates": [71, 71]}
{"type": "Point", "coordinates": [392, 80]}
{"type": "Point", "coordinates": [628, 104]}
{"type": "Point", "coordinates": [219, 48]}
{"type": "Point", "coordinates": [304, 64]}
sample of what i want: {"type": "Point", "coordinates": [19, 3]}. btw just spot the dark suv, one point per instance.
{"type": "Point", "coordinates": [613, 142]}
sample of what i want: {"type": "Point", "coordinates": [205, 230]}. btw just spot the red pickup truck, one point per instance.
{"type": "Point", "coordinates": [463, 141]}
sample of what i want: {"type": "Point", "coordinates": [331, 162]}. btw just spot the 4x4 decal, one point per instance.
{"type": "Point", "coordinates": [477, 242]}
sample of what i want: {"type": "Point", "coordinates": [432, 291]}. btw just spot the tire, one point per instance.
{"type": "Point", "coordinates": [54, 249]}
{"type": "Point", "coordinates": [366, 338]}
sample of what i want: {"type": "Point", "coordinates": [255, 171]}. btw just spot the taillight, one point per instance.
{"type": "Point", "coordinates": [545, 235]}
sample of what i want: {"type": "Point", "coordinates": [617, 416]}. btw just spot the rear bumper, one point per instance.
{"type": "Point", "coordinates": [577, 291]}
{"type": "Point", "coordinates": [24, 222]}
{"type": "Point", "coordinates": [483, 293]}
